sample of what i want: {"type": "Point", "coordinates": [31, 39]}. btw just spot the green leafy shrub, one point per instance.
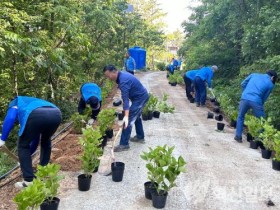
{"type": "Point", "coordinates": [254, 126]}
{"type": "Point", "coordinates": [49, 176]}
{"type": "Point", "coordinates": [267, 135]}
{"type": "Point", "coordinates": [172, 78]}
{"type": "Point", "coordinates": [31, 197]}
{"type": "Point", "coordinates": [79, 122]}
{"type": "Point", "coordinates": [276, 146]}
{"type": "Point", "coordinates": [163, 167]}
{"type": "Point", "coordinates": [151, 104]}
{"type": "Point", "coordinates": [161, 66]}
{"type": "Point", "coordinates": [106, 120]}
{"type": "Point", "coordinates": [163, 105]}
{"type": "Point", "coordinates": [90, 142]}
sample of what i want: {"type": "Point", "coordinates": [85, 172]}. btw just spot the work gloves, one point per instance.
{"type": "Point", "coordinates": [1, 143]}
{"type": "Point", "coordinates": [90, 121]}
{"type": "Point", "coordinates": [125, 121]}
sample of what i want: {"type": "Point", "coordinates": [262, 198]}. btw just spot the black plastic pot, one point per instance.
{"type": "Point", "coordinates": [220, 126]}
{"type": "Point", "coordinates": [150, 115]}
{"type": "Point", "coordinates": [156, 114]}
{"type": "Point", "coordinates": [149, 189]}
{"type": "Point", "coordinates": [219, 117]}
{"type": "Point", "coordinates": [84, 182]}
{"type": "Point", "coordinates": [173, 83]}
{"type": "Point", "coordinates": [216, 103]}
{"type": "Point", "coordinates": [120, 116]}
{"type": "Point", "coordinates": [233, 123]}
{"type": "Point", "coordinates": [50, 204]}
{"type": "Point", "coordinates": [117, 102]}
{"type": "Point", "coordinates": [212, 100]}
{"type": "Point", "coordinates": [216, 110]}
{"type": "Point", "coordinates": [159, 200]}
{"type": "Point", "coordinates": [276, 165]}
{"type": "Point", "coordinates": [254, 144]}
{"type": "Point", "coordinates": [103, 140]}
{"type": "Point", "coordinates": [249, 137]}
{"type": "Point", "coordinates": [95, 169]}
{"type": "Point", "coordinates": [145, 117]}
{"type": "Point", "coordinates": [266, 154]}
{"type": "Point", "coordinates": [260, 143]}
{"type": "Point", "coordinates": [117, 171]}
{"type": "Point", "coordinates": [109, 133]}
{"type": "Point", "coordinates": [210, 115]}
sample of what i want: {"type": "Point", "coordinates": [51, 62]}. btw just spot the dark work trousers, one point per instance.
{"type": "Point", "coordinates": [82, 106]}
{"type": "Point", "coordinates": [42, 121]}
{"type": "Point", "coordinates": [200, 91]}
{"type": "Point", "coordinates": [189, 87]}
{"type": "Point", "coordinates": [94, 113]}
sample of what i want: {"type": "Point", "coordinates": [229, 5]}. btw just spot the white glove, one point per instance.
{"type": "Point", "coordinates": [2, 143]}
{"type": "Point", "coordinates": [90, 121]}
{"type": "Point", "coordinates": [125, 121]}
{"type": "Point", "coordinates": [210, 89]}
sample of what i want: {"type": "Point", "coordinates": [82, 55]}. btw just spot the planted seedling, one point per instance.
{"type": "Point", "coordinates": [49, 176]}
{"type": "Point", "coordinates": [79, 122]}
{"type": "Point", "coordinates": [91, 149]}
{"type": "Point", "coordinates": [106, 120]}
{"type": "Point", "coordinates": [163, 105]}
{"type": "Point", "coordinates": [31, 197]}
{"type": "Point", "coordinates": [254, 126]}
{"type": "Point", "coordinates": [267, 135]}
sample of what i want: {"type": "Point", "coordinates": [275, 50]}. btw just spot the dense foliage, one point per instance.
{"type": "Point", "coordinates": [240, 37]}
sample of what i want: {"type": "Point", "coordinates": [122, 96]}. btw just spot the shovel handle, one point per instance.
{"type": "Point", "coordinates": [114, 141]}
{"type": "Point", "coordinates": [9, 153]}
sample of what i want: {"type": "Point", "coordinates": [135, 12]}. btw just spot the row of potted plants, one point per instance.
{"type": "Point", "coordinates": [175, 78]}
{"type": "Point", "coordinates": [43, 191]}
{"type": "Point", "coordinates": [263, 134]}
{"type": "Point", "coordinates": [155, 106]}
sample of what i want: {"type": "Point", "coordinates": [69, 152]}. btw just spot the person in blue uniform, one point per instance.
{"type": "Point", "coordinates": [131, 90]}
{"type": "Point", "coordinates": [130, 64]}
{"type": "Point", "coordinates": [255, 90]}
{"type": "Point", "coordinates": [90, 94]}
{"type": "Point", "coordinates": [174, 63]}
{"type": "Point", "coordinates": [203, 77]}
{"type": "Point", "coordinates": [38, 119]}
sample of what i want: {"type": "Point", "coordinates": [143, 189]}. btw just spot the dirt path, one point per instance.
{"type": "Point", "coordinates": [221, 174]}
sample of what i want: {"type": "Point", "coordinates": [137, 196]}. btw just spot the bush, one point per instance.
{"type": "Point", "coordinates": [106, 120]}
{"type": "Point", "coordinates": [161, 66]}
{"type": "Point", "coordinates": [90, 142]}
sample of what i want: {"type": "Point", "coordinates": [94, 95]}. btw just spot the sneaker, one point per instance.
{"type": "Point", "coordinates": [121, 148]}
{"type": "Point", "coordinates": [135, 139]}
{"type": "Point", "coordinates": [238, 139]}
{"type": "Point", "coordinates": [23, 184]}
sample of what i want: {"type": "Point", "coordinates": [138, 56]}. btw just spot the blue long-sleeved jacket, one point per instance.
{"type": "Point", "coordinates": [191, 74]}
{"type": "Point", "coordinates": [90, 89]}
{"type": "Point", "coordinates": [257, 87]}
{"type": "Point", "coordinates": [206, 74]}
{"type": "Point", "coordinates": [175, 62]}
{"type": "Point", "coordinates": [131, 89]}
{"type": "Point", "coordinates": [130, 64]}
{"type": "Point", "coordinates": [20, 109]}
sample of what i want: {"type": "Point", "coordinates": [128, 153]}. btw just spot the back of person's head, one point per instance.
{"type": "Point", "coordinates": [215, 68]}
{"type": "Point", "coordinates": [272, 74]}
{"type": "Point", "coordinates": [110, 68]}
{"type": "Point", "coordinates": [94, 102]}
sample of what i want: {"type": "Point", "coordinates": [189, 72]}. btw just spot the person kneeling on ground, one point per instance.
{"type": "Point", "coordinates": [90, 94]}
{"type": "Point", "coordinates": [256, 89]}
{"type": "Point", "coordinates": [131, 89]}
{"type": "Point", "coordinates": [204, 75]}
{"type": "Point", "coordinates": [37, 118]}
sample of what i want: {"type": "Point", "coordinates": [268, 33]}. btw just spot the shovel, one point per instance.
{"type": "Point", "coordinates": [113, 144]}
{"type": "Point", "coordinates": [9, 153]}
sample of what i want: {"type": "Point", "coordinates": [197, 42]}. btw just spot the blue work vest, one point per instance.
{"type": "Point", "coordinates": [90, 89]}
{"type": "Point", "coordinates": [25, 106]}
